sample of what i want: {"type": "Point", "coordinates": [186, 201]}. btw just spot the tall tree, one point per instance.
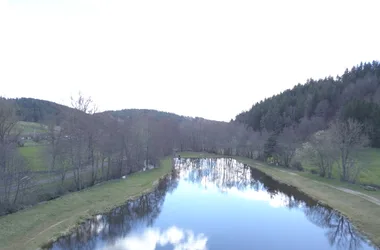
{"type": "Point", "coordinates": [321, 152]}
{"type": "Point", "coordinates": [287, 143]}
{"type": "Point", "coordinates": [348, 137]}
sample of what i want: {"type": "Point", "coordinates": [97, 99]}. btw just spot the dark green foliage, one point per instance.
{"type": "Point", "coordinates": [367, 113]}
{"type": "Point", "coordinates": [133, 113]}
{"type": "Point", "coordinates": [355, 94]}
{"type": "Point", "coordinates": [270, 146]}
{"type": "Point", "coordinates": [34, 110]}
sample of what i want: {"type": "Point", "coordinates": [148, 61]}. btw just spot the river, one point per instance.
{"type": "Point", "coordinates": [217, 204]}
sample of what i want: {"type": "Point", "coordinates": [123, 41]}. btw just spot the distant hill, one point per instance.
{"type": "Point", "coordinates": [129, 113]}
{"type": "Point", "coordinates": [40, 111]}
{"type": "Point", "coordinates": [354, 94]}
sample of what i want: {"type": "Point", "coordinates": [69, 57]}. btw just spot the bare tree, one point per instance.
{"type": "Point", "coordinates": [19, 172]}
{"type": "Point", "coordinates": [320, 152]}
{"type": "Point", "coordinates": [13, 170]}
{"type": "Point", "coordinates": [348, 137]}
{"type": "Point", "coordinates": [55, 137]}
{"type": "Point", "coordinates": [80, 136]}
{"type": "Point", "coordinates": [287, 143]}
{"type": "Point", "coordinates": [7, 123]}
{"type": "Point", "coordinates": [308, 127]}
{"type": "Point", "coordinates": [84, 104]}
{"type": "Point", "coordinates": [257, 142]}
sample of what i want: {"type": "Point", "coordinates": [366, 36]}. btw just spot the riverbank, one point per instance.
{"type": "Point", "coordinates": [363, 211]}
{"type": "Point", "coordinates": [33, 227]}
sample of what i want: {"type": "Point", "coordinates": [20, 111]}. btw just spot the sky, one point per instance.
{"type": "Point", "coordinates": [205, 58]}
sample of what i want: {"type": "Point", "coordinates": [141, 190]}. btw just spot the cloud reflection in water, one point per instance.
{"type": "Point", "coordinates": [152, 237]}
{"type": "Point", "coordinates": [233, 178]}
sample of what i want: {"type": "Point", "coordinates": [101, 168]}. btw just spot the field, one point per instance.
{"type": "Point", "coordinates": [371, 171]}
{"type": "Point", "coordinates": [35, 156]}
{"type": "Point", "coordinates": [369, 159]}
{"type": "Point", "coordinates": [30, 128]}
{"type": "Point", "coordinates": [33, 227]}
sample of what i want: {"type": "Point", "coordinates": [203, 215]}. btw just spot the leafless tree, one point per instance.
{"type": "Point", "coordinates": [7, 123]}
{"type": "Point", "coordinates": [287, 143]}
{"type": "Point", "coordinates": [80, 135]}
{"type": "Point", "coordinates": [308, 127]}
{"type": "Point", "coordinates": [256, 143]}
{"type": "Point", "coordinates": [349, 139]}
{"type": "Point", "coordinates": [13, 170]}
{"type": "Point", "coordinates": [19, 172]}
{"type": "Point", "coordinates": [320, 152]}
{"type": "Point", "coordinates": [55, 137]}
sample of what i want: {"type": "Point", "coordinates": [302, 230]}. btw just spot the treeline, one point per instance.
{"type": "Point", "coordinates": [89, 147]}
{"type": "Point", "coordinates": [325, 123]}
{"type": "Point", "coordinates": [355, 94]}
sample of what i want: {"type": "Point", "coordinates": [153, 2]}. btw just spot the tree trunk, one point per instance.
{"type": "Point", "coordinates": [18, 189]}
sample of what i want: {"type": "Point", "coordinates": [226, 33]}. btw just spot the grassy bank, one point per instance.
{"type": "Point", "coordinates": [368, 158]}
{"type": "Point", "coordinates": [363, 213]}
{"type": "Point", "coordinates": [33, 227]}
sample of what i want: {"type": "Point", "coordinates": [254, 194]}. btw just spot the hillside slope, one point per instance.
{"type": "Point", "coordinates": [355, 94]}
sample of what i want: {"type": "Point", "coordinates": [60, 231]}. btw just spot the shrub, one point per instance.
{"type": "Point", "coordinates": [313, 171]}
{"type": "Point", "coordinates": [297, 165]}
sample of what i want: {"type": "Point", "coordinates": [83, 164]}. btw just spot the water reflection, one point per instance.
{"type": "Point", "coordinates": [151, 238]}
{"type": "Point", "coordinates": [233, 178]}
{"type": "Point", "coordinates": [104, 231]}
{"type": "Point", "coordinates": [340, 231]}
{"type": "Point", "coordinates": [189, 220]}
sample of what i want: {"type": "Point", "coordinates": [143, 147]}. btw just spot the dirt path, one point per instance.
{"type": "Point", "coordinates": [364, 196]}
{"type": "Point", "coordinates": [346, 190]}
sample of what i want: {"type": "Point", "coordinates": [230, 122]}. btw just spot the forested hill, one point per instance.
{"type": "Point", "coordinates": [355, 94]}
{"type": "Point", "coordinates": [129, 113]}
{"type": "Point", "coordinates": [41, 111]}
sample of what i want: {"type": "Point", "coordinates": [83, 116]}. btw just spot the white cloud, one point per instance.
{"type": "Point", "coordinates": [152, 237]}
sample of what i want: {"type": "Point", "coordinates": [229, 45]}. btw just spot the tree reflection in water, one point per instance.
{"type": "Point", "coordinates": [228, 173]}
{"type": "Point", "coordinates": [225, 175]}
{"type": "Point", "coordinates": [108, 228]}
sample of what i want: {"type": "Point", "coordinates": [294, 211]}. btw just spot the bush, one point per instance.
{"type": "Point", "coordinates": [36, 138]}
{"type": "Point", "coordinates": [297, 165]}
{"type": "Point", "coordinates": [313, 171]}
{"type": "Point", "coordinates": [47, 196]}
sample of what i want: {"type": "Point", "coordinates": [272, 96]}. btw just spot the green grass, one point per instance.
{"type": "Point", "coordinates": [31, 228]}
{"type": "Point", "coordinates": [30, 127]}
{"type": "Point", "coordinates": [364, 214]}
{"type": "Point", "coordinates": [370, 174]}
{"type": "Point", "coordinates": [35, 157]}
{"type": "Point", "coordinates": [371, 171]}
{"type": "Point", "coordinates": [368, 158]}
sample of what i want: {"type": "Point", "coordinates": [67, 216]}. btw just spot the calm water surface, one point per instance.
{"type": "Point", "coordinates": [217, 204]}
